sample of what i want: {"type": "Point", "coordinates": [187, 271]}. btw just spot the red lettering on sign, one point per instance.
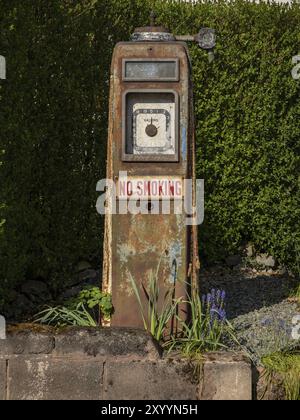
{"type": "Point", "coordinates": [129, 188]}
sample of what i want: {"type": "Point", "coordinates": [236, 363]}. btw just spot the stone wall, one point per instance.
{"type": "Point", "coordinates": [113, 364]}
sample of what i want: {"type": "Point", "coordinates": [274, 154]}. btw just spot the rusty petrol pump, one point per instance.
{"type": "Point", "coordinates": [151, 152]}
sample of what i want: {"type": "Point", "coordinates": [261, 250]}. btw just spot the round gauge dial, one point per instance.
{"type": "Point", "coordinates": [153, 128]}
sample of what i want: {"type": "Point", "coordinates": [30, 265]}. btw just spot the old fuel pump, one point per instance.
{"type": "Point", "coordinates": [151, 152]}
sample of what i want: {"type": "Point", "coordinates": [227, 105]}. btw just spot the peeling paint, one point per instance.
{"type": "Point", "coordinates": [175, 259]}
{"type": "Point", "coordinates": [125, 285]}
{"type": "Point", "coordinates": [125, 250]}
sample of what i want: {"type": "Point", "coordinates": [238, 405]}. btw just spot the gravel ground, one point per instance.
{"type": "Point", "coordinates": [257, 305]}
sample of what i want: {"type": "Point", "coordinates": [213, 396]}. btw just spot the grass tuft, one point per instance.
{"type": "Point", "coordinates": [287, 365]}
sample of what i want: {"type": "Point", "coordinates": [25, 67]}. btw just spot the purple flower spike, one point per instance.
{"type": "Point", "coordinates": [223, 295]}
{"type": "Point", "coordinates": [222, 314]}
{"type": "Point", "coordinates": [218, 296]}
{"type": "Point", "coordinates": [213, 315]}
{"type": "Point", "coordinates": [209, 298]}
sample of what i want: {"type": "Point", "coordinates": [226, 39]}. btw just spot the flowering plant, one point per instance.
{"type": "Point", "coordinates": [207, 328]}
{"type": "Point", "coordinates": [213, 305]}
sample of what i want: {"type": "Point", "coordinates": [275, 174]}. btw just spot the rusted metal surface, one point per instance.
{"type": "Point", "coordinates": [139, 245]}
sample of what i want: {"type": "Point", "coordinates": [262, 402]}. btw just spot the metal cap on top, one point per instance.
{"type": "Point", "coordinates": [152, 32]}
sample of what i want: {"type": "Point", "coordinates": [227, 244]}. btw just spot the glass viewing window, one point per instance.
{"type": "Point", "coordinates": [143, 70]}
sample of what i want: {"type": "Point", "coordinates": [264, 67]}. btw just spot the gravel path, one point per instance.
{"type": "Point", "coordinates": [257, 305]}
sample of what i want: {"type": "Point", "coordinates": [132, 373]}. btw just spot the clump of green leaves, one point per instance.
{"type": "Point", "coordinates": [61, 316]}
{"type": "Point", "coordinates": [85, 310]}
{"type": "Point", "coordinates": [100, 303]}
{"type": "Point", "coordinates": [207, 328]}
{"type": "Point", "coordinates": [156, 319]}
{"type": "Point", "coordinates": [287, 365]}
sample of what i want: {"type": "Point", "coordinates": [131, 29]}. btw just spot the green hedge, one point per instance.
{"type": "Point", "coordinates": [53, 122]}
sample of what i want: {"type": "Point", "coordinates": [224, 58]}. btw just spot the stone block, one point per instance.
{"type": "Point", "coordinates": [150, 380]}
{"type": "Point", "coordinates": [226, 376]}
{"type": "Point", "coordinates": [48, 378]}
{"type": "Point", "coordinates": [108, 342]}
{"type": "Point", "coordinates": [27, 342]}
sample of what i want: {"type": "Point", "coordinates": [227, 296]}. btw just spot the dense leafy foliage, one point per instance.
{"type": "Point", "coordinates": [53, 122]}
{"type": "Point", "coordinates": [88, 309]}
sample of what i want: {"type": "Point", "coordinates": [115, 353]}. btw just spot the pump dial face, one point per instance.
{"type": "Point", "coordinates": [151, 125]}
{"type": "Point", "coordinates": [152, 128]}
